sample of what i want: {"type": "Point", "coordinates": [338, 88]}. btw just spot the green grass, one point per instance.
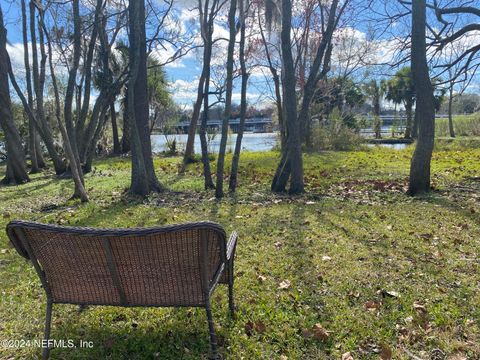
{"type": "Point", "coordinates": [349, 242]}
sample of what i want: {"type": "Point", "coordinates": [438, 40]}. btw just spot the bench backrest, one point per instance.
{"type": "Point", "coordinates": [174, 265]}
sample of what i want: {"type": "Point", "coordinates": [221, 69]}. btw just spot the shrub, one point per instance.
{"type": "Point", "coordinates": [335, 136]}
{"type": "Point", "coordinates": [464, 125]}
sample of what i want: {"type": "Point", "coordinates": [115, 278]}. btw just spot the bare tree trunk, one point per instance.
{"type": "Point", "coordinates": [321, 57]}
{"type": "Point", "coordinates": [38, 81]}
{"type": "Point", "coordinates": [41, 125]}
{"type": "Point", "coordinates": [243, 101]}
{"type": "Point", "coordinates": [450, 115]}
{"type": "Point", "coordinates": [228, 99]}
{"type": "Point", "coordinates": [16, 169]}
{"type": "Point", "coordinates": [84, 107]}
{"type": "Point", "coordinates": [75, 166]}
{"type": "Point", "coordinates": [28, 79]}
{"type": "Point", "coordinates": [408, 125]}
{"type": "Point", "coordinates": [278, 93]}
{"type": "Point", "coordinates": [207, 17]}
{"type": "Point", "coordinates": [291, 163]}
{"type": "Point", "coordinates": [72, 74]}
{"type": "Point", "coordinates": [117, 149]}
{"type": "Point", "coordinates": [190, 146]}
{"type": "Point", "coordinates": [425, 114]}
{"type": "Point", "coordinates": [126, 147]}
{"type": "Point", "coordinates": [144, 179]}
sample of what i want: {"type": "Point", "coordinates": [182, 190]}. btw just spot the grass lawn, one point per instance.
{"type": "Point", "coordinates": [379, 271]}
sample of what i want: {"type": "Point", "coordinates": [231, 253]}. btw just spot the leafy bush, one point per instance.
{"type": "Point", "coordinates": [336, 135]}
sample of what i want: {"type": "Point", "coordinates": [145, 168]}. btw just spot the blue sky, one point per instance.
{"type": "Point", "coordinates": [356, 28]}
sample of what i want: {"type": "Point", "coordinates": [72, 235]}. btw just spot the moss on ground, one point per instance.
{"type": "Point", "coordinates": [378, 270]}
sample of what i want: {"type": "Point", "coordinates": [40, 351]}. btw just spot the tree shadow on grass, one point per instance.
{"type": "Point", "coordinates": [140, 333]}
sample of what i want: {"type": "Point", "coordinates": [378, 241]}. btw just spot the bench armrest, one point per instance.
{"type": "Point", "coordinates": [232, 243]}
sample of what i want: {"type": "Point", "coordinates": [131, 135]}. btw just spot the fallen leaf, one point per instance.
{"type": "Point", "coordinates": [347, 356]}
{"type": "Point", "coordinates": [257, 326]}
{"type": "Point", "coordinates": [285, 284]}
{"type": "Point", "coordinates": [372, 305]}
{"type": "Point", "coordinates": [326, 258]}
{"type": "Point", "coordinates": [419, 307]}
{"type": "Point", "coordinates": [317, 332]}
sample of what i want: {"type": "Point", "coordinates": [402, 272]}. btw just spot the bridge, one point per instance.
{"type": "Point", "coordinates": [264, 124]}
{"type": "Point", "coordinates": [255, 124]}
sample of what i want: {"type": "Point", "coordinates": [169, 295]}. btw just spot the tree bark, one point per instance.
{"type": "Point", "coordinates": [451, 129]}
{"type": "Point", "coordinates": [28, 79]}
{"type": "Point", "coordinates": [243, 102]}
{"type": "Point", "coordinates": [278, 92]}
{"type": "Point", "coordinates": [144, 179]}
{"type": "Point", "coordinates": [38, 82]}
{"type": "Point", "coordinates": [420, 166]}
{"type": "Point", "coordinates": [207, 17]}
{"type": "Point", "coordinates": [408, 125]}
{"type": "Point", "coordinates": [117, 149]}
{"type": "Point", "coordinates": [72, 74]}
{"type": "Point", "coordinates": [16, 170]}
{"type": "Point", "coordinates": [291, 163]}
{"type": "Point", "coordinates": [228, 99]}
{"type": "Point", "coordinates": [192, 129]}
{"type": "Point", "coordinates": [321, 57]}
{"type": "Point", "coordinates": [126, 147]}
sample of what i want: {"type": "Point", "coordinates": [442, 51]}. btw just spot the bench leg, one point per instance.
{"type": "Point", "coordinates": [46, 336]}
{"type": "Point", "coordinates": [211, 329]}
{"type": "Point", "coordinates": [231, 304]}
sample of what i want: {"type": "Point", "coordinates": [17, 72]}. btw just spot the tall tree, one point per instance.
{"type": "Point", "coordinates": [144, 179]}
{"type": "Point", "coordinates": [208, 12]}
{"type": "Point", "coordinates": [243, 99]}
{"type": "Point", "coordinates": [228, 98]}
{"type": "Point", "coordinates": [75, 167]}
{"type": "Point", "coordinates": [34, 148]}
{"type": "Point", "coordinates": [291, 162]}
{"type": "Point", "coordinates": [38, 74]}
{"type": "Point", "coordinates": [16, 169]}
{"type": "Point", "coordinates": [419, 181]}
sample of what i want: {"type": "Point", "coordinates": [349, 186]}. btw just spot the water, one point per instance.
{"type": "Point", "coordinates": [250, 142]}
{"type": "Point", "coordinates": [391, 146]}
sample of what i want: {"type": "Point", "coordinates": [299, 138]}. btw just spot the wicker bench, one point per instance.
{"type": "Point", "coordinates": [178, 265]}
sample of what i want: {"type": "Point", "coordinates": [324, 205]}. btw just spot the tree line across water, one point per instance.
{"type": "Point", "coordinates": [96, 54]}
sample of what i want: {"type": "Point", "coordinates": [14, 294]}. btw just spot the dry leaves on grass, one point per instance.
{"type": "Point", "coordinates": [257, 327]}
{"type": "Point", "coordinates": [372, 305]}
{"type": "Point", "coordinates": [317, 332]}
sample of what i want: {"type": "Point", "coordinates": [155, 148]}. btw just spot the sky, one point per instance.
{"type": "Point", "coordinates": [353, 40]}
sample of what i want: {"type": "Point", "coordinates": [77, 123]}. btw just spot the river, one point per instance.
{"type": "Point", "coordinates": [250, 142]}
